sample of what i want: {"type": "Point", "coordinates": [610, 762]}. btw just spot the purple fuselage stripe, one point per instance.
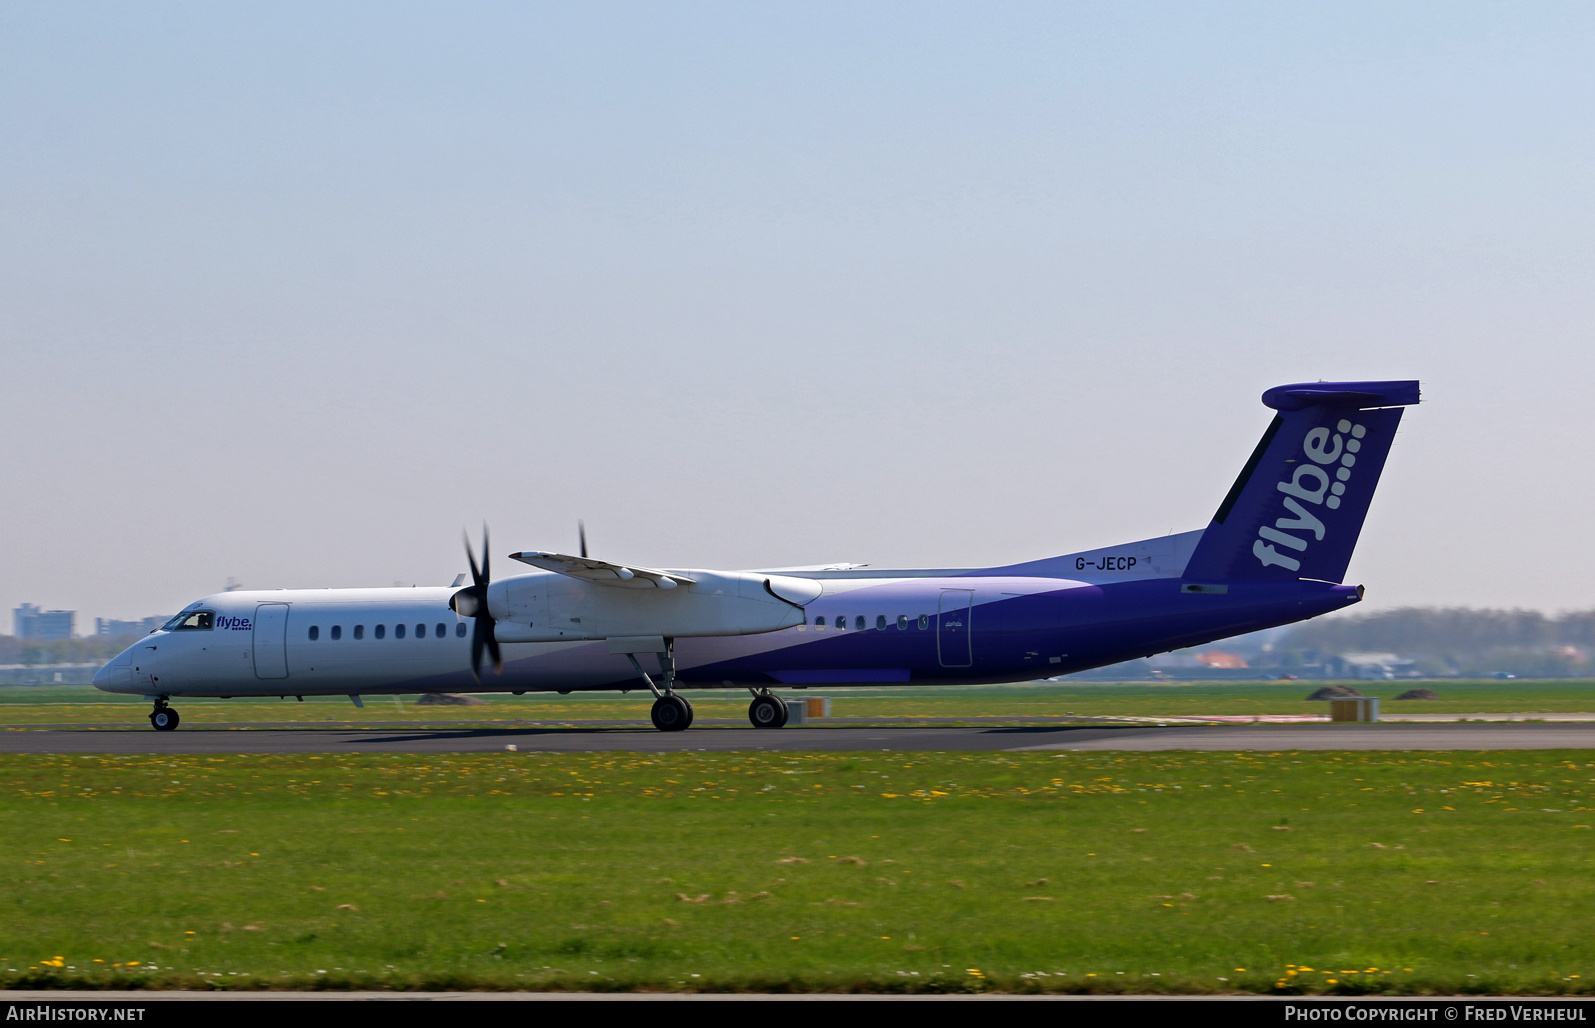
{"type": "Point", "coordinates": [1012, 638]}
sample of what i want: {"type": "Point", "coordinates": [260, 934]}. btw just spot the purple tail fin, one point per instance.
{"type": "Point", "coordinates": [1299, 503]}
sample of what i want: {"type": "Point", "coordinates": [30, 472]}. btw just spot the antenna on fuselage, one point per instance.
{"type": "Point", "coordinates": [581, 535]}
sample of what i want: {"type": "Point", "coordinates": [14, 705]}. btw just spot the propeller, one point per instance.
{"type": "Point", "coordinates": [471, 602]}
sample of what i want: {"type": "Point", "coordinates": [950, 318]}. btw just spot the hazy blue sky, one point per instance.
{"type": "Point", "coordinates": [293, 293]}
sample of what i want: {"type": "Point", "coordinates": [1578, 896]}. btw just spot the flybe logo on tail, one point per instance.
{"type": "Point", "coordinates": [1310, 483]}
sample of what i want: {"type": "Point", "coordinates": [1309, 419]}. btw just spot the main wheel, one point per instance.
{"type": "Point", "coordinates": [688, 705]}
{"type": "Point", "coordinates": [671, 714]}
{"type": "Point", "coordinates": [164, 720]}
{"type": "Point", "coordinates": [767, 712]}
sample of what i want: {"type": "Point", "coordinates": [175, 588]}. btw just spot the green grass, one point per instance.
{"type": "Point", "coordinates": [1173, 872]}
{"type": "Point", "coordinates": [36, 705]}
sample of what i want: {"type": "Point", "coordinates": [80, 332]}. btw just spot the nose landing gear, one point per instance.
{"type": "Point", "coordinates": [163, 718]}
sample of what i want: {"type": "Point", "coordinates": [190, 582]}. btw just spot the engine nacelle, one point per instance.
{"type": "Point", "coordinates": [549, 607]}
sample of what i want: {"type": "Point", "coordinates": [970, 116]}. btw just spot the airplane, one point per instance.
{"type": "Point", "coordinates": [1274, 553]}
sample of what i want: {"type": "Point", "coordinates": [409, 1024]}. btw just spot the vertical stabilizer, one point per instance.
{"type": "Point", "coordinates": [1299, 503]}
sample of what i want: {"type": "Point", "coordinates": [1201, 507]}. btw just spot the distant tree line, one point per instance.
{"type": "Point", "coordinates": [63, 651]}
{"type": "Point", "coordinates": [1452, 640]}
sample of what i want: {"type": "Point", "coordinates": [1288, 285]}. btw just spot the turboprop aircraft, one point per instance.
{"type": "Point", "coordinates": [1275, 553]}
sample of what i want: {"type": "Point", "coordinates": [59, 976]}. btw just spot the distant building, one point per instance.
{"type": "Point", "coordinates": [1374, 666]}
{"type": "Point", "coordinates": [33, 623]}
{"type": "Point", "coordinates": [110, 626]}
{"type": "Point", "coordinates": [1221, 659]}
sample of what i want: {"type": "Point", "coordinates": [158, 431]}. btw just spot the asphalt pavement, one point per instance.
{"type": "Point", "coordinates": [1405, 736]}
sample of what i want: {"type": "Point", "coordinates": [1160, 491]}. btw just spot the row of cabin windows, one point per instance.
{"type": "Point", "coordinates": [860, 622]}
{"type": "Point", "coordinates": [380, 631]}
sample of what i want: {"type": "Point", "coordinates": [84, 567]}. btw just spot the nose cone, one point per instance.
{"type": "Point", "coordinates": [117, 676]}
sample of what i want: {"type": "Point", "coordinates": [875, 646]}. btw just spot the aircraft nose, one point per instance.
{"type": "Point", "coordinates": [117, 676]}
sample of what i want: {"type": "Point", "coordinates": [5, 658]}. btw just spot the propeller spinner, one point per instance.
{"type": "Point", "coordinates": [471, 602]}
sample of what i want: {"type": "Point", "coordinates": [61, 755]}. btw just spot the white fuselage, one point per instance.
{"type": "Point", "coordinates": [798, 628]}
{"type": "Point", "coordinates": [259, 643]}
{"type": "Point", "coordinates": [553, 628]}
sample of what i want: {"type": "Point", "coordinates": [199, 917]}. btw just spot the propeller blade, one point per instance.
{"type": "Point", "coordinates": [470, 555]}
{"type": "Point", "coordinates": [476, 650]}
{"type": "Point", "coordinates": [581, 534]}
{"type": "Point", "coordinates": [472, 602]}
{"type": "Point", "coordinates": [492, 649]}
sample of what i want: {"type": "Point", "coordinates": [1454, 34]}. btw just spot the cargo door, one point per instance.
{"type": "Point", "coordinates": [271, 640]}
{"type": "Point", "coordinates": [954, 645]}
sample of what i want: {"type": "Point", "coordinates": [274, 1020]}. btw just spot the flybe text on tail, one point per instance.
{"type": "Point", "coordinates": [1298, 506]}
{"type": "Point", "coordinates": [1311, 483]}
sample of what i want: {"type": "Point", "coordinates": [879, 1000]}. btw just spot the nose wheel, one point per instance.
{"type": "Point", "coordinates": [163, 718]}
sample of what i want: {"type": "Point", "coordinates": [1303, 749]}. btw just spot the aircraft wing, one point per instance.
{"type": "Point", "coordinates": [601, 572]}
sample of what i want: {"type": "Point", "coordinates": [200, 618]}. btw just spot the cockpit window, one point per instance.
{"type": "Point", "coordinates": [192, 621]}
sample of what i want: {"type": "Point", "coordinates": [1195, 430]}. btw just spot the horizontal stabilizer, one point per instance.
{"type": "Point", "coordinates": [601, 572]}
{"type": "Point", "coordinates": [1356, 395]}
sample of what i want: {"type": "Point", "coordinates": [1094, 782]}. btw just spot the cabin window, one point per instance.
{"type": "Point", "coordinates": [337, 632]}
{"type": "Point", "coordinates": [315, 632]}
{"type": "Point", "coordinates": [859, 623]}
{"type": "Point", "coordinates": [819, 622]}
{"type": "Point", "coordinates": [398, 631]}
{"type": "Point", "coordinates": [193, 621]}
{"type": "Point", "coordinates": [359, 631]}
{"type": "Point", "coordinates": [442, 631]}
{"type": "Point", "coordinates": [420, 631]}
{"type": "Point", "coordinates": [380, 631]}
{"type": "Point", "coordinates": [880, 622]}
{"type": "Point", "coordinates": [924, 622]}
{"type": "Point", "coordinates": [459, 630]}
{"type": "Point", "coordinates": [841, 622]}
{"type": "Point", "coordinates": [902, 622]}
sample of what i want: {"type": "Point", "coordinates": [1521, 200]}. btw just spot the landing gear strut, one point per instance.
{"type": "Point", "coordinates": [671, 713]}
{"type": "Point", "coordinates": [766, 711]}
{"type": "Point", "coordinates": [163, 718]}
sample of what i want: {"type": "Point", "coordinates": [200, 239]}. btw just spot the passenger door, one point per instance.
{"type": "Point", "coordinates": [271, 640]}
{"type": "Point", "coordinates": [954, 645]}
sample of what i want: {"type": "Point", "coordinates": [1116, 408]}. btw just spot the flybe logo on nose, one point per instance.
{"type": "Point", "coordinates": [236, 624]}
{"type": "Point", "coordinates": [1310, 483]}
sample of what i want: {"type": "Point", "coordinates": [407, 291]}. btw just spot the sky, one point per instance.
{"type": "Point", "coordinates": [294, 293]}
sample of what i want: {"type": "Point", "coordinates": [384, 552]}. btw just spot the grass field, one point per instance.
{"type": "Point", "coordinates": [22, 706]}
{"type": "Point", "coordinates": [1171, 872]}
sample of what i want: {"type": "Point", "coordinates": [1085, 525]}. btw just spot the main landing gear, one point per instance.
{"type": "Point", "coordinates": [671, 713]}
{"type": "Point", "coordinates": [163, 718]}
{"type": "Point", "coordinates": [766, 711]}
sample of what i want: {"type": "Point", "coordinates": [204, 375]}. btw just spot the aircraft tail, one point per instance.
{"type": "Point", "coordinates": [1298, 506]}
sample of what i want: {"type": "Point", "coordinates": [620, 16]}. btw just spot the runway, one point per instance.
{"type": "Point", "coordinates": [1409, 736]}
